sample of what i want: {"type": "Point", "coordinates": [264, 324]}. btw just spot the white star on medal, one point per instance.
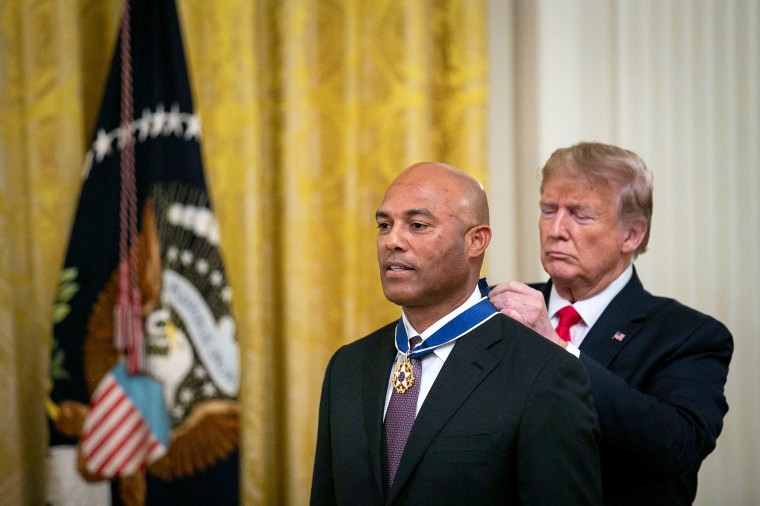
{"type": "Point", "coordinates": [403, 376]}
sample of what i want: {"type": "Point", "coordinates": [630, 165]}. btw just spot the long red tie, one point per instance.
{"type": "Point", "coordinates": [568, 317]}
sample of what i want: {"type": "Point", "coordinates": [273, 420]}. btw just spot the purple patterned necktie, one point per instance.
{"type": "Point", "coordinates": [399, 419]}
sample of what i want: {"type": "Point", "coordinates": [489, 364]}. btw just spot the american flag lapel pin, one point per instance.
{"type": "Point", "coordinates": [618, 336]}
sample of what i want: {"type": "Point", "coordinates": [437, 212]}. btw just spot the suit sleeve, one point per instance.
{"type": "Point", "coordinates": [557, 453]}
{"type": "Point", "coordinates": [667, 416]}
{"type": "Point", "coordinates": [323, 483]}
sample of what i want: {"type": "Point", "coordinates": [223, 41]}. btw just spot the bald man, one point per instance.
{"type": "Point", "coordinates": [454, 403]}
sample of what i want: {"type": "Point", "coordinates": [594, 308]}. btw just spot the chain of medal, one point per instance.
{"type": "Point", "coordinates": [403, 375]}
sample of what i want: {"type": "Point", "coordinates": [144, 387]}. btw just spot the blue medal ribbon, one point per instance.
{"type": "Point", "coordinates": [484, 288]}
{"type": "Point", "coordinates": [453, 330]}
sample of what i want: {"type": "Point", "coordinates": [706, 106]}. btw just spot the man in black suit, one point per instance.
{"type": "Point", "coordinates": [502, 415]}
{"type": "Point", "coordinates": [657, 368]}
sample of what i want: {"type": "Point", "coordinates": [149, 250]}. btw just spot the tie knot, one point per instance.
{"type": "Point", "coordinates": [413, 342]}
{"type": "Point", "coordinates": [568, 317]}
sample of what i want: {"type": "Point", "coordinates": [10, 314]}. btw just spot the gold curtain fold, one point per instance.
{"type": "Point", "coordinates": [309, 109]}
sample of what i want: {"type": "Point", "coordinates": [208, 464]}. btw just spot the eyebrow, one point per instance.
{"type": "Point", "coordinates": [571, 205]}
{"type": "Point", "coordinates": [408, 213]}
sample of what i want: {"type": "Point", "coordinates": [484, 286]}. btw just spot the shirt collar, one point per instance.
{"type": "Point", "coordinates": [443, 351]}
{"type": "Point", "coordinates": [592, 308]}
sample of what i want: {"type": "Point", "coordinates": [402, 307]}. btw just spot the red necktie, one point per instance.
{"type": "Point", "coordinates": [568, 317]}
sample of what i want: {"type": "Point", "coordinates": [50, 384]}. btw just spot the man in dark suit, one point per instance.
{"type": "Point", "coordinates": [502, 415]}
{"type": "Point", "coordinates": [657, 368]}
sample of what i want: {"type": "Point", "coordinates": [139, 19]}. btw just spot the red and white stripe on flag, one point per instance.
{"type": "Point", "coordinates": [117, 440]}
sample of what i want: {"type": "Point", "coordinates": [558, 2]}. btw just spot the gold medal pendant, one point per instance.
{"type": "Point", "coordinates": [403, 376]}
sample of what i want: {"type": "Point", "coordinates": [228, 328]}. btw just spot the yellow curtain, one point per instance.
{"type": "Point", "coordinates": [309, 109]}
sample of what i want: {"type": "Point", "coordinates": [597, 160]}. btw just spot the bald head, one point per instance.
{"type": "Point", "coordinates": [465, 194]}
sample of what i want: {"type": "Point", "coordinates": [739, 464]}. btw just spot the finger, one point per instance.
{"type": "Point", "coordinates": [498, 289]}
{"type": "Point", "coordinates": [518, 287]}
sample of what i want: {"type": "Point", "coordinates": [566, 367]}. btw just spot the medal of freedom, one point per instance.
{"type": "Point", "coordinates": [403, 376]}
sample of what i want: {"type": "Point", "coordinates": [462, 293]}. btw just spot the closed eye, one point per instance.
{"type": "Point", "coordinates": [548, 212]}
{"type": "Point", "coordinates": [582, 216]}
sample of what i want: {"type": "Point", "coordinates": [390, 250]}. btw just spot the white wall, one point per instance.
{"type": "Point", "coordinates": [676, 81]}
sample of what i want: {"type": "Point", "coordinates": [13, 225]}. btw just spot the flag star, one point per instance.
{"type": "Point", "coordinates": [214, 234]}
{"type": "Point", "coordinates": [158, 121]}
{"type": "Point", "coordinates": [185, 395]}
{"type": "Point", "coordinates": [201, 266]}
{"type": "Point", "coordinates": [178, 411]}
{"type": "Point", "coordinates": [199, 372]}
{"type": "Point", "coordinates": [188, 217]}
{"type": "Point", "coordinates": [209, 389]}
{"type": "Point", "coordinates": [174, 122]}
{"type": "Point", "coordinates": [142, 125]}
{"type": "Point", "coordinates": [172, 253]}
{"type": "Point", "coordinates": [175, 213]}
{"type": "Point", "coordinates": [102, 145]}
{"type": "Point", "coordinates": [193, 128]}
{"type": "Point", "coordinates": [226, 294]}
{"type": "Point", "coordinates": [203, 222]}
{"type": "Point", "coordinates": [216, 278]}
{"type": "Point", "coordinates": [186, 257]}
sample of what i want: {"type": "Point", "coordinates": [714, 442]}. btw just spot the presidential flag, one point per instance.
{"type": "Point", "coordinates": [144, 361]}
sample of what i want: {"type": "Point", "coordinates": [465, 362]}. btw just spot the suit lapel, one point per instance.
{"type": "Point", "coordinates": [611, 332]}
{"type": "Point", "coordinates": [465, 368]}
{"type": "Point", "coordinates": [618, 324]}
{"type": "Point", "coordinates": [376, 375]}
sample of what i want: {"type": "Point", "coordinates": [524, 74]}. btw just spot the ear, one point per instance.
{"type": "Point", "coordinates": [633, 234]}
{"type": "Point", "coordinates": [477, 240]}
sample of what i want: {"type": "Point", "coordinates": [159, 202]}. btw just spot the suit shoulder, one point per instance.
{"type": "Point", "coordinates": [528, 344]}
{"type": "Point", "coordinates": [532, 363]}
{"type": "Point", "coordinates": [368, 342]}
{"type": "Point", "coordinates": [675, 314]}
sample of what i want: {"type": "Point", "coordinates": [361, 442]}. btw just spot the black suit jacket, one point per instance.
{"type": "Point", "coordinates": [659, 393]}
{"type": "Point", "coordinates": [509, 420]}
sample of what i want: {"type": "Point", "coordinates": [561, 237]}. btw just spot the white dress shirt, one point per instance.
{"type": "Point", "coordinates": [590, 309]}
{"type": "Point", "coordinates": [432, 362]}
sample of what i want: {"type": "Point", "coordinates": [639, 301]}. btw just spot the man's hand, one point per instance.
{"type": "Point", "coordinates": [526, 305]}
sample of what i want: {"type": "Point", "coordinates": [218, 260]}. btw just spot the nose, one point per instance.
{"type": "Point", "coordinates": [394, 239]}
{"type": "Point", "coordinates": [558, 225]}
